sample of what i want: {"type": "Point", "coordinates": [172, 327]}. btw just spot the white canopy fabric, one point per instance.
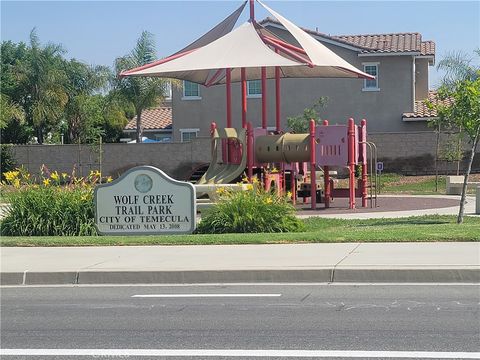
{"type": "Point", "coordinates": [244, 47]}
{"type": "Point", "coordinates": [319, 54]}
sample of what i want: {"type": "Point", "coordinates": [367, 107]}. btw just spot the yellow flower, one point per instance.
{"type": "Point", "coordinates": [245, 179]}
{"type": "Point", "coordinates": [55, 176]}
{"type": "Point", "coordinates": [274, 170]}
{"type": "Point", "coordinates": [249, 187]}
{"type": "Point", "coordinates": [64, 175]}
{"type": "Point", "coordinates": [255, 180]}
{"type": "Point", "coordinates": [109, 179]}
{"type": "Point", "coordinates": [16, 183]}
{"type": "Point", "coordinates": [11, 175]}
{"type": "Point", "coordinates": [46, 182]}
{"type": "Point", "coordinates": [221, 191]}
{"type": "Point", "coordinates": [98, 173]}
{"type": "Point", "coordinates": [268, 200]}
{"type": "Point", "coordinates": [289, 194]}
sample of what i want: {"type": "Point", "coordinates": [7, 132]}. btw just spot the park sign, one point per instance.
{"type": "Point", "coordinates": [145, 200]}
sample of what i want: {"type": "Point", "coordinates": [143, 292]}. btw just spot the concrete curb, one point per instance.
{"type": "Point", "coordinates": [322, 275]}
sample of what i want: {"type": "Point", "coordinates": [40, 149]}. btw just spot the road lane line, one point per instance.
{"type": "Point", "coordinates": [243, 353]}
{"type": "Point", "coordinates": [204, 295]}
{"type": "Point", "coordinates": [24, 277]}
{"type": "Point", "coordinates": [232, 284]}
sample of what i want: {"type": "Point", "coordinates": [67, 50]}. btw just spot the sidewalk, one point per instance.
{"type": "Point", "coordinates": [346, 262]}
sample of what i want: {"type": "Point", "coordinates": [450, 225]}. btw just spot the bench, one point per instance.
{"type": "Point", "coordinates": [455, 184]}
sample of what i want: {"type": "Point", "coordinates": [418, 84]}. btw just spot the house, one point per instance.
{"type": "Point", "coordinates": [392, 103]}
{"type": "Point", "coordinates": [156, 124]}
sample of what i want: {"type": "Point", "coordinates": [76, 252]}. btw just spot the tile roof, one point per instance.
{"type": "Point", "coordinates": [377, 43]}
{"type": "Point", "coordinates": [421, 110]}
{"type": "Point", "coordinates": [153, 119]}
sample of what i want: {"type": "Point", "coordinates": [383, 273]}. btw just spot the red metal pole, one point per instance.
{"type": "Point", "coordinates": [326, 178]}
{"type": "Point", "coordinates": [277, 98]}
{"type": "Point", "coordinates": [351, 161]}
{"type": "Point", "coordinates": [264, 97]}
{"type": "Point", "coordinates": [244, 98]}
{"type": "Point", "coordinates": [229, 97]}
{"type": "Point", "coordinates": [252, 10]}
{"type": "Point", "coordinates": [313, 177]}
{"type": "Point", "coordinates": [285, 45]}
{"type": "Point", "coordinates": [249, 151]}
{"type": "Point", "coordinates": [158, 62]}
{"type": "Point", "coordinates": [363, 139]}
{"type": "Point", "coordinates": [289, 52]}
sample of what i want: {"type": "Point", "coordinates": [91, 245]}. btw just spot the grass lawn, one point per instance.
{"type": "Point", "coordinates": [417, 185]}
{"type": "Point", "coordinates": [424, 228]}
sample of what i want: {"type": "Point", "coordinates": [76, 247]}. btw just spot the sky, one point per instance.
{"type": "Point", "coordinates": [97, 32]}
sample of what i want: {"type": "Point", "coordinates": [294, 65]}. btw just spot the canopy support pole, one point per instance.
{"type": "Point", "coordinates": [277, 98]}
{"type": "Point", "coordinates": [244, 98]}
{"type": "Point", "coordinates": [264, 97]}
{"type": "Point", "coordinates": [252, 10]}
{"type": "Point", "coordinates": [229, 97]}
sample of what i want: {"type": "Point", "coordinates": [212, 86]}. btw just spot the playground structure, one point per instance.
{"type": "Point", "coordinates": [325, 146]}
{"type": "Point", "coordinates": [261, 54]}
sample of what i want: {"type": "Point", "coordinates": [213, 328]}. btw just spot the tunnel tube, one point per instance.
{"type": "Point", "coordinates": [285, 148]}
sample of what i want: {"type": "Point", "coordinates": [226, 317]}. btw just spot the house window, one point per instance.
{"type": "Point", "coordinates": [167, 90]}
{"type": "Point", "coordinates": [191, 91]}
{"type": "Point", "coordinates": [371, 69]}
{"type": "Point", "coordinates": [188, 134]}
{"type": "Point", "coordinates": [254, 88]}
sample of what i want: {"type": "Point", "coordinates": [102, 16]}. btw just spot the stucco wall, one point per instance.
{"type": "Point", "coordinates": [409, 153]}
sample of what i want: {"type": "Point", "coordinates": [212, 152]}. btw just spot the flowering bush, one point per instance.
{"type": "Point", "coordinates": [56, 204]}
{"type": "Point", "coordinates": [254, 210]}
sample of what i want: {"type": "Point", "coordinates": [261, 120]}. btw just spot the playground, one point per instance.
{"type": "Point", "coordinates": [283, 162]}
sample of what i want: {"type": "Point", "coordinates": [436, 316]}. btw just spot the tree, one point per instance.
{"type": "Point", "coordinates": [142, 92]}
{"type": "Point", "coordinates": [42, 80]}
{"type": "Point", "coordinates": [462, 85]}
{"type": "Point", "coordinates": [83, 111]}
{"type": "Point", "coordinates": [300, 123]}
{"type": "Point", "coordinates": [9, 111]}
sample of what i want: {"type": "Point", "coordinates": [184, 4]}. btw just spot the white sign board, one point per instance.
{"type": "Point", "coordinates": [145, 200]}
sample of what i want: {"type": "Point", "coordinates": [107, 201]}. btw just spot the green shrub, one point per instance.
{"type": "Point", "coordinates": [249, 212]}
{"type": "Point", "coordinates": [7, 159]}
{"type": "Point", "coordinates": [49, 211]}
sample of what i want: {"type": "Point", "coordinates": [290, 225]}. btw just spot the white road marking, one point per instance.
{"type": "Point", "coordinates": [204, 295]}
{"type": "Point", "coordinates": [243, 353]}
{"type": "Point", "coordinates": [234, 284]}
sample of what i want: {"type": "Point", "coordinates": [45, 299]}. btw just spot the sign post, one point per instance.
{"type": "Point", "coordinates": [145, 200]}
{"type": "Point", "coordinates": [379, 173]}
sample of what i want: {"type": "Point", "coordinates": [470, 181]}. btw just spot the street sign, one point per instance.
{"type": "Point", "coordinates": [379, 166]}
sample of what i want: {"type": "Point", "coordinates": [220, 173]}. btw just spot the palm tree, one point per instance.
{"type": "Point", "coordinates": [458, 66]}
{"type": "Point", "coordinates": [142, 92]}
{"type": "Point", "coordinates": [43, 81]}
{"type": "Point", "coordinates": [84, 82]}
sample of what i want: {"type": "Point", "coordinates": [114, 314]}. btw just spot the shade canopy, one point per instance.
{"type": "Point", "coordinates": [252, 47]}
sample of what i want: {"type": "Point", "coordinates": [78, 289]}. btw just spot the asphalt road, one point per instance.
{"type": "Point", "coordinates": [380, 318]}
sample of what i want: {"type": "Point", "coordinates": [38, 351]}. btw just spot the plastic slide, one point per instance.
{"type": "Point", "coordinates": [218, 173]}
